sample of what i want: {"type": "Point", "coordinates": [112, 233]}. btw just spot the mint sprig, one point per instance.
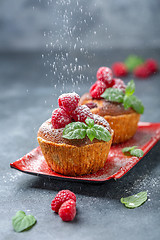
{"type": "Point", "coordinates": [136, 104]}
{"type": "Point", "coordinates": [78, 130]}
{"type": "Point", "coordinates": [133, 61]}
{"type": "Point", "coordinates": [22, 222]}
{"type": "Point", "coordinates": [101, 133]}
{"type": "Point", "coordinates": [130, 88]}
{"type": "Point", "coordinates": [113, 95]}
{"type": "Point", "coordinates": [128, 149]}
{"type": "Point", "coordinates": [133, 151]}
{"type": "Point", "coordinates": [75, 131]}
{"type": "Point", "coordinates": [127, 99]}
{"type": "Point", "coordinates": [135, 200]}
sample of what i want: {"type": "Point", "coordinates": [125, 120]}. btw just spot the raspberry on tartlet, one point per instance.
{"type": "Point", "coordinates": [105, 75]}
{"type": "Point", "coordinates": [68, 101]}
{"type": "Point", "coordinates": [81, 113]}
{"type": "Point", "coordinates": [151, 65]}
{"type": "Point", "coordinates": [97, 89]}
{"type": "Point", "coordinates": [60, 118]}
{"type": "Point", "coordinates": [119, 69]}
{"type": "Point", "coordinates": [141, 71]}
{"type": "Point", "coordinates": [119, 84]}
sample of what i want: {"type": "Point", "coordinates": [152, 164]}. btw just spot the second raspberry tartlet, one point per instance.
{"type": "Point", "coordinates": [122, 117]}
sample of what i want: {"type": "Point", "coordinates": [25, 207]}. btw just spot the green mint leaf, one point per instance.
{"type": "Point", "coordinates": [137, 153]}
{"type": "Point", "coordinates": [135, 200]}
{"type": "Point", "coordinates": [134, 152]}
{"type": "Point", "coordinates": [22, 222]}
{"type": "Point", "coordinates": [102, 133]}
{"type": "Point", "coordinates": [78, 130]}
{"type": "Point", "coordinates": [128, 149]}
{"type": "Point", "coordinates": [113, 94]}
{"type": "Point", "coordinates": [75, 130]}
{"type": "Point", "coordinates": [91, 133]}
{"type": "Point", "coordinates": [127, 102]}
{"type": "Point", "coordinates": [90, 122]}
{"type": "Point", "coordinates": [133, 61]}
{"type": "Point", "coordinates": [136, 104]}
{"type": "Point", "coordinates": [130, 88]}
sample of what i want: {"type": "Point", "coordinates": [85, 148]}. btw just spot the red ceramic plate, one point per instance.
{"type": "Point", "coordinates": [116, 166]}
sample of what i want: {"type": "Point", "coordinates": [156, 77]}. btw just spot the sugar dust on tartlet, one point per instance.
{"type": "Point", "coordinates": [75, 141]}
{"type": "Point", "coordinates": [110, 98]}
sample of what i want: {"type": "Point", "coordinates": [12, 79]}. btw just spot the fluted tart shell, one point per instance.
{"type": "Point", "coordinates": [123, 122]}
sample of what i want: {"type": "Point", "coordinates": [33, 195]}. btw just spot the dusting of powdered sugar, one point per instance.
{"type": "Point", "coordinates": [101, 121]}
{"type": "Point", "coordinates": [143, 183]}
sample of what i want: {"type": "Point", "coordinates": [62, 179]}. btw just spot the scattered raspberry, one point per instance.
{"type": "Point", "coordinates": [68, 101]}
{"type": "Point", "coordinates": [97, 89]}
{"type": "Point", "coordinates": [60, 198]}
{"type": "Point", "coordinates": [67, 210]}
{"type": "Point", "coordinates": [81, 113]}
{"type": "Point", "coordinates": [119, 69]}
{"type": "Point", "coordinates": [141, 71]}
{"type": "Point", "coordinates": [91, 105]}
{"type": "Point", "coordinates": [151, 65]}
{"type": "Point", "coordinates": [60, 118]}
{"type": "Point", "coordinates": [118, 83]}
{"type": "Point", "coordinates": [105, 75]}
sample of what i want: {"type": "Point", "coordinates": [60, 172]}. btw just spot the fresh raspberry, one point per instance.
{"type": "Point", "coordinates": [119, 84]}
{"type": "Point", "coordinates": [119, 69]}
{"type": "Point", "coordinates": [60, 118]}
{"type": "Point", "coordinates": [105, 75]}
{"type": "Point", "coordinates": [81, 113]}
{"type": "Point", "coordinates": [67, 210]}
{"type": "Point", "coordinates": [141, 71]}
{"type": "Point", "coordinates": [91, 105]}
{"type": "Point", "coordinates": [60, 198]}
{"type": "Point", "coordinates": [97, 89]}
{"type": "Point", "coordinates": [68, 101]}
{"type": "Point", "coordinates": [151, 65]}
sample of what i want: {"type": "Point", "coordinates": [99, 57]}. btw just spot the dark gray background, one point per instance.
{"type": "Point", "coordinates": [100, 24]}
{"type": "Point", "coordinates": [32, 75]}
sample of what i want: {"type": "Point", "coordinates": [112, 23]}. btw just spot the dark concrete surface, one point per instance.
{"type": "Point", "coordinates": [27, 98]}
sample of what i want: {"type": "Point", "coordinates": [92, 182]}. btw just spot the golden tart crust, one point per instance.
{"type": "Point", "coordinates": [71, 158]}
{"type": "Point", "coordinates": [123, 122]}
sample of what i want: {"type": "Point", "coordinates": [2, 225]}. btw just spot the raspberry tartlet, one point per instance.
{"type": "Point", "coordinates": [116, 103]}
{"type": "Point", "coordinates": [75, 141]}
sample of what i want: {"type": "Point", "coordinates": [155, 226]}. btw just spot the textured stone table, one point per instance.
{"type": "Point", "coordinates": [27, 98]}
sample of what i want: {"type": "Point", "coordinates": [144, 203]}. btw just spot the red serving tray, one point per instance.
{"type": "Point", "coordinates": [117, 164]}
